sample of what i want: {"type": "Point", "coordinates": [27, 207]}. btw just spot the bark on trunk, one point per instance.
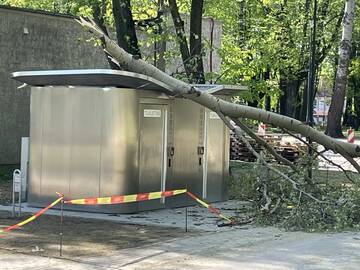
{"type": "Point", "coordinates": [125, 27]}
{"type": "Point", "coordinates": [180, 33]}
{"type": "Point", "coordinates": [268, 103]}
{"type": "Point", "coordinates": [98, 14]}
{"type": "Point", "coordinates": [333, 127]}
{"type": "Point", "coordinates": [357, 110]}
{"type": "Point", "coordinates": [215, 104]}
{"type": "Point", "coordinates": [303, 112]}
{"type": "Point", "coordinates": [289, 100]}
{"type": "Point", "coordinates": [195, 40]}
{"type": "Point", "coordinates": [348, 115]}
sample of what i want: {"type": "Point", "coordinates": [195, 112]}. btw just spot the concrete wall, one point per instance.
{"type": "Point", "coordinates": [40, 41]}
{"type": "Point", "coordinates": [31, 41]}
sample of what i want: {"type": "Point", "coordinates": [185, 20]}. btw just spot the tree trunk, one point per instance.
{"type": "Point", "coordinates": [289, 100]}
{"type": "Point", "coordinates": [218, 105]}
{"type": "Point", "coordinates": [195, 41]}
{"type": "Point", "coordinates": [268, 103]}
{"type": "Point", "coordinates": [98, 14]}
{"type": "Point", "coordinates": [125, 27]}
{"type": "Point", "coordinates": [356, 105]}
{"type": "Point", "coordinates": [348, 119]}
{"type": "Point", "coordinates": [303, 112]}
{"type": "Point", "coordinates": [333, 127]}
{"type": "Point", "coordinates": [357, 113]}
{"type": "Point", "coordinates": [180, 32]}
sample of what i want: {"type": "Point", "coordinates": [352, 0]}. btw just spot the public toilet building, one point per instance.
{"type": "Point", "coordinates": [97, 133]}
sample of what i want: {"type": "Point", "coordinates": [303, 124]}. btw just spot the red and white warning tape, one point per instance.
{"type": "Point", "coordinates": [33, 217]}
{"type": "Point", "coordinates": [127, 198]}
{"type": "Point", "coordinates": [118, 200]}
{"type": "Point", "coordinates": [209, 207]}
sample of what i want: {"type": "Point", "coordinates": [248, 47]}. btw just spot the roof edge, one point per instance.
{"type": "Point", "coordinates": [38, 11]}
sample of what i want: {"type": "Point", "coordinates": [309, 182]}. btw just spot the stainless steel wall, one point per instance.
{"type": "Point", "coordinates": [201, 155]}
{"type": "Point", "coordinates": [188, 139]}
{"type": "Point", "coordinates": [83, 143]}
{"type": "Point", "coordinates": [217, 158]}
{"type": "Point", "coordinates": [153, 151]}
{"type": "Point", "coordinates": [91, 142]}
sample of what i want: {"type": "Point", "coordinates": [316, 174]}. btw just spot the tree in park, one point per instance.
{"type": "Point", "coordinates": [266, 45]}
{"type": "Point", "coordinates": [334, 128]}
{"type": "Point", "coordinates": [317, 200]}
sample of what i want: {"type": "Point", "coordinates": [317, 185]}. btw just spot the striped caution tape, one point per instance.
{"type": "Point", "coordinates": [144, 197]}
{"type": "Point", "coordinates": [127, 198]}
{"type": "Point", "coordinates": [209, 207]}
{"type": "Point", "coordinates": [33, 217]}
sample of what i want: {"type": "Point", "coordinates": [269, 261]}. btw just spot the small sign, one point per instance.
{"type": "Point", "coordinates": [152, 113]}
{"type": "Point", "coordinates": [17, 180]}
{"type": "Point", "coordinates": [213, 115]}
{"type": "Point", "coordinates": [16, 187]}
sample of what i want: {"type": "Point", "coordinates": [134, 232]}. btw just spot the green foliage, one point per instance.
{"type": "Point", "coordinates": [339, 211]}
{"type": "Point", "coordinates": [260, 36]}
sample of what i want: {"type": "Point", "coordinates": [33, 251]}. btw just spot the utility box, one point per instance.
{"type": "Point", "coordinates": [97, 133]}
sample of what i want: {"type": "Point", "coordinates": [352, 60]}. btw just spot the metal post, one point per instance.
{"type": "Point", "coordinates": [13, 201]}
{"type": "Point", "coordinates": [186, 210]}
{"type": "Point", "coordinates": [61, 225]}
{"type": "Point", "coordinates": [16, 189]}
{"type": "Point", "coordinates": [20, 197]}
{"type": "Point", "coordinates": [311, 82]}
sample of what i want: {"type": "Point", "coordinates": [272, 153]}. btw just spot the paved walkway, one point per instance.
{"type": "Point", "coordinates": [251, 248]}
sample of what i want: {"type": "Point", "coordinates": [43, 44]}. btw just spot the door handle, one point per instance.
{"type": "Point", "coordinates": [171, 151]}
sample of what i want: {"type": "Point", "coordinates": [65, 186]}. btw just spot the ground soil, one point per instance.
{"type": "Point", "coordinates": [6, 183]}
{"type": "Point", "coordinates": [82, 237]}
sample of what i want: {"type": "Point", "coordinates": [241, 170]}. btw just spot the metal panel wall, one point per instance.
{"type": "Point", "coordinates": [214, 184]}
{"type": "Point", "coordinates": [35, 149]}
{"type": "Point", "coordinates": [56, 135]}
{"type": "Point", "coordinates": [152, 156]}
{"type": "Point", "coordinates": [187, 165]}
{"type": "Point", "coordinates": [119, 146]}
{"type": "Point", "coordinates": [90, 141]}
{"type": "Point", "coordinates": [85, 142]}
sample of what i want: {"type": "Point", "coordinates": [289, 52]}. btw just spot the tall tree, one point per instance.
{"type": "Point", "coordinates": [221, 107]}
{"type": "Point", "coordinates": [181, 37]}
{"type": "Point", "coordinates": [99, 11]}
{"type": "Point", "coordinates": [125, 27]}
{"type": "Point", "coordinates": [195, 40]}
{"type": "Point", "coordinates": [333, 127]}
{"type": "Point", "coordinates": [191, 57]}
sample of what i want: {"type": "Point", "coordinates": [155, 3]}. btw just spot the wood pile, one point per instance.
{"type": "Point", "coordinates": [239, 151]}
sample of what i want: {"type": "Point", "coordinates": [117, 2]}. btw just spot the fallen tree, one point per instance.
{"type": "Point", "coordinates": [281, 196]}
{"type": "Point", "coordinates": [180, 88]}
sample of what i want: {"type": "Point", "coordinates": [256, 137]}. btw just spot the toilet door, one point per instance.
{"type": "Point", "coordinates": [153, 153]}
{"type": "Point", "coordinates": [213, 176]}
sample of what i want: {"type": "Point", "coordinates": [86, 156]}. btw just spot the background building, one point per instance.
{"type": "Point", "coordinates": [38, 40]}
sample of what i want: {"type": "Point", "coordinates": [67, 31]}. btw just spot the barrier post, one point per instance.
{"type": "Point", "coordinates": [16, 189]}
{"type": "Point", "coordinates": [351, 135]}
{"type": "Point", "coordinates": [61, 225]}
{"type": "Point", "coordinates": [186, 210]}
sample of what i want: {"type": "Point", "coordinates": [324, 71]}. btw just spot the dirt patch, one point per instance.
{"type": "Point", "coordinates": [6, 183]}
{"type": "Point", "coordinates": [82, 237]}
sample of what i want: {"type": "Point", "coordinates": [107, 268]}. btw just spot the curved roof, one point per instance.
{"type": "Point", "coordinates": [109, 78]}
{"type": "Point", "coordinates": [90, 77]}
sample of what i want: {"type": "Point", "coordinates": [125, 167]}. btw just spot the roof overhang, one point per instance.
{"type": "Point", "coordinates": [111, 78]}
